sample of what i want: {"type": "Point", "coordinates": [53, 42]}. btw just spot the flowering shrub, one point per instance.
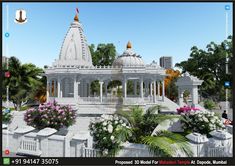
{"type": "Point", "coordinates": [51, 115]}
{"type": "Point", "coordinates": [6, 116]}
{"type": "Point", "coordinates": [108, 133]}
{"type": "Point", "coordinates": [186, 109]}
{"type": "Point", "coordinates": [201, 121]}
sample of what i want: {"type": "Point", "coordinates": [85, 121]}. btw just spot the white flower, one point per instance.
{"type": "Point", "coordinates": [124, 124]}
{"type": "Point", "coordinates": [115, 117]}
{"type": "Point", "coordinates": [105, 151]}
{"type": "Point", "coordinates": [121, 121]}
{"type": "Point", "coordinates": [104, 128]}
{"type": "Point", "coordinates": [104, 123]}
{"type": "Point", "coordinates": [112, 137]}
{"type": "Point", "coordinates": [104, 138]}
{"type": "Point", "coordinates": [110, 128]}
{"type": "Point", "coordinates": [116, 122]}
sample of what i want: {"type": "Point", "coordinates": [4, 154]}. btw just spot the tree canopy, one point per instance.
{"type": "Point", "coordinates": [24, 81]}
{"type": "Point", "coordinates": [103, 55]}
{"type": "Point", "coordinates": [210, 65]}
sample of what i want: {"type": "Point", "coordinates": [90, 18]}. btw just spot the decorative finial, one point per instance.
{"type": "Point", "coordinates": [76, 16]}
{"type": "Point", "coordinates": [128, 45]}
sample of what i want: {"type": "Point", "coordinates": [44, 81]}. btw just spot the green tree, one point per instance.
{"type": "Point", "coordinates": [209, 65]}
{"type": "Point", "coordinates": [103, 55]}
{"type": "Point", "coordinates": [23, 81]}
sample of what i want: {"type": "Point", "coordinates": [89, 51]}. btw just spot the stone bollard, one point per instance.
{"type": "Point", "coordinates": [221, 138]}
{"type": "Point", "coordinates": [198, 144]}
{"type": "Point", "coordinates": [43, 135]}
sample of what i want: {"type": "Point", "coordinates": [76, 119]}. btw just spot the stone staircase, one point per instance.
{"type": "Point", "coordinates": [96, 109]}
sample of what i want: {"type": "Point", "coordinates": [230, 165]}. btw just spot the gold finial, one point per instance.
{"type": "Point", "coordinates": [128, 45]}
{"type": "Point", "coordinates": [76, 16]}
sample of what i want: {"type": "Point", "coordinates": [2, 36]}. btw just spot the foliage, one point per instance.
{"type": "Point", "coordinates": [209, 104]}
{"type": "Point", "coordinates": [103, 55]}
{"type": "Point", "coordinates": [6, 116]}
{"type": "Point", "coordinates": [167, 144]}
{"type": "Point", "coordinates": [186, 109]}
{"type": "Point", "coordinates": [51, 115]}
{"type": "Point", "coordinates": [170, 80]}
{"type": "Point", "coordinates": [109, 132]}
{"type": "Point", "coordinates": [24, 79]}
{"type": "Point", "coordinates": [143, 124]}
{"type": "Point", "coordinates": [201, 121]}
{"type": "Point", "coordinates": [209, 65]}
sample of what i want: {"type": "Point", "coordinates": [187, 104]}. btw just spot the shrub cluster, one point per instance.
{"type": "Point", "coordinates": [51, 115]}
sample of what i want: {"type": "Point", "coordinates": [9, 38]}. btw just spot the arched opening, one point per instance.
{"type": "Point", "coordinates": [67, 87]}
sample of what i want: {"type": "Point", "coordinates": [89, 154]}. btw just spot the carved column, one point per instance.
{"type": "Point", "coordinates": [163, 90]}
{"type": "Point", "coordinates": [101, 91]}
{"type": "Point", "coordinates": [154, 91]}
{"type": "Point", "coordinates": [158, 89]}
{"type": "Point", "coordinates": [58, 87]}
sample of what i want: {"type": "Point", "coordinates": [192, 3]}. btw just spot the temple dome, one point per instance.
{"type": "Point", "coordinates": [75, 50]}
{"type": "Point", "coordinates": [128, 58]}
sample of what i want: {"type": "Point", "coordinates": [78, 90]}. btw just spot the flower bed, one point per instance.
{"type": "Point", "coordinates": [186, 109]}
{"type": "Point", "coordinates": [51, 115]}
{"type": "Point", "coordinates": [201, 121]}
{"type": "Point", "coordinates": [109, 132]}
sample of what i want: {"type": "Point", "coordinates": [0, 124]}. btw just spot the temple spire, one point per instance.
{"type": "Point", "coordinates": [76, 16]}
{"type": "Point", "coordinates": [128, 45]}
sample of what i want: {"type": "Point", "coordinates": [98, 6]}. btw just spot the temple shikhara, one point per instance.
{"type": "Point", "coordinates": [69, 78]}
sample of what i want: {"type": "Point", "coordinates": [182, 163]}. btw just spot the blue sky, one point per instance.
{"type": "Point", "coordinates": [154, 29]}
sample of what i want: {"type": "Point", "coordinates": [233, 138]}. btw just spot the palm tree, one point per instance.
{"type": "Point", "coordinates": [143, 123]}
{"type": "Point", "coordinates": [165, 143]}
{"type": "Point", "coordinates": [23, 80]}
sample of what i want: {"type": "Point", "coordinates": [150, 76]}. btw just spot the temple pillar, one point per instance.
{"type": "Point", "coordinates": [58, 87]}
{"type": "Point", "coordinates": [151, 89]}
{"type": "Point", "coordinates": [158, 90]}
{"type": "Point", "coordinates": [163, 90]}
{"type": "Point", "coordinates": [194, 94]}
{"type": "Point", "coordinates": [75, 87]}
{"type": "Point", "coordinates": [154, 91]}
{"type": "Point", "coordinates": [101, 91]}
{"type": "Point", "coordinates": [48, 90]}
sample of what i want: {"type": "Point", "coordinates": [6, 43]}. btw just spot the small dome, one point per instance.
{"type": "Point", "coordinates": [128, 58]}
